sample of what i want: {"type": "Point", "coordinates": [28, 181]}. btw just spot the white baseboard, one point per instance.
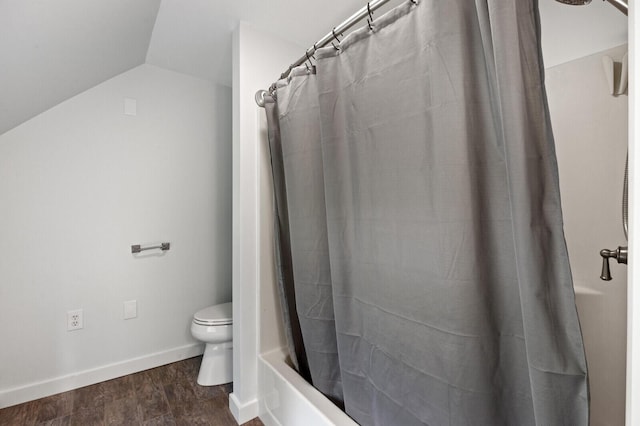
{"type": "Point", "coordinates": [69, 382]}
{"type": "Point", "coordinates": [243, 412]}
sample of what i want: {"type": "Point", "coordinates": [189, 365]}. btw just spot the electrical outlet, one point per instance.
{"type": "Point", "coordinates": [74, 320]}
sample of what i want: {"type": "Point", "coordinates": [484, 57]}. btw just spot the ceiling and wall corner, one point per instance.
{"type": "Point", "coordinates": [51, 51]}
{"type": "Point", "coordinates": [573, 32]}
{"type": "Point", "coordinates": [195, 37]}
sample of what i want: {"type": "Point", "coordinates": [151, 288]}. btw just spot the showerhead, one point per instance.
{"type": "Point", "coordinates": [575, 2]}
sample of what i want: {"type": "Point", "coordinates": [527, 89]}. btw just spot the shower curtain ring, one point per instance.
{"type": "Point", "coordinates": [415, 2]}
{"type": "Point", "coordinates": [333, 31]}
{"type": "Point", "coordinates": [369, 11]}
{"type": "Point", "coordinates": [308, 58]}
{"type": "Point", "coordinates": [335, 47]}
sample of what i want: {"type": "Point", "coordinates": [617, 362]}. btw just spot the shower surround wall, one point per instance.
{"type": "Point", "coordinates": [82, 182]}
{"type": "Point", "coordinates": [590, 129]}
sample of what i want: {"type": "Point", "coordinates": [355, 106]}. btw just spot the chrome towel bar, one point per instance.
{"type": "Point", "coordinates": [137, 248]}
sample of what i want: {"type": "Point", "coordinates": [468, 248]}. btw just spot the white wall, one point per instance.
{"type": "Point", "coordinates": [258, 60]}
{"type": "Point", "coordinates": [81, 183]}
{"type": "Point", "coordinates": [590, 128]}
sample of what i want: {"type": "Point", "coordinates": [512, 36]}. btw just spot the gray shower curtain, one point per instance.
{"type": "Point", "coordinates": [417, 170]}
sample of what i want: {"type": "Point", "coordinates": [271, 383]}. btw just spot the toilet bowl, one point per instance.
{"type": "Point", "coordinates": [213, 326]}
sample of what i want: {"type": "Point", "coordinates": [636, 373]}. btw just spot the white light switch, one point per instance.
{"type": "Point", "coordinates": [130, 106]}
{"type": "Point", "coordinates": [130, 309]}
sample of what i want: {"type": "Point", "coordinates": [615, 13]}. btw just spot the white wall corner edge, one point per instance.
{"type": "Point", "coordinates": [69, 382]}
{"type": "Point", "coordinates": [243, 412]}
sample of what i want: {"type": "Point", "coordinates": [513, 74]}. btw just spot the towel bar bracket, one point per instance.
{"type": "Point", "coordinates": [137, 248]}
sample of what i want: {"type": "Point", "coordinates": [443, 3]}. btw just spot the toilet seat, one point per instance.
{"type": "Point", "coordinates": [214, 315]}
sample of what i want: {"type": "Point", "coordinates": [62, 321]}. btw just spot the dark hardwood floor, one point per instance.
{"type": "Point", "coordinates": [167, 395]}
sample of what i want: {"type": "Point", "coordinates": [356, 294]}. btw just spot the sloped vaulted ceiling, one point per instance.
{"type": "Point", "coordinates": [53, 50]}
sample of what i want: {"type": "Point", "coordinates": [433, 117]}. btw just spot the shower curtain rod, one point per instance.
{"type": "Point", "coordinates": [365, 12]}
{"type": "Point", "coordinates": [620, 5]}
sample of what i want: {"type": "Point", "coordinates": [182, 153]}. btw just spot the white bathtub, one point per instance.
{"type": "Point", "coordinates": [288, 400]}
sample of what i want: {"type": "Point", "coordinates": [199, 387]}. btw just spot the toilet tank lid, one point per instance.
{"type": "Point", "coordinates": [216, 313]}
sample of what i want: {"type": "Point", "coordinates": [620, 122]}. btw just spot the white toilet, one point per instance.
{"type": "Point", "coordinates": [212, 326]}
